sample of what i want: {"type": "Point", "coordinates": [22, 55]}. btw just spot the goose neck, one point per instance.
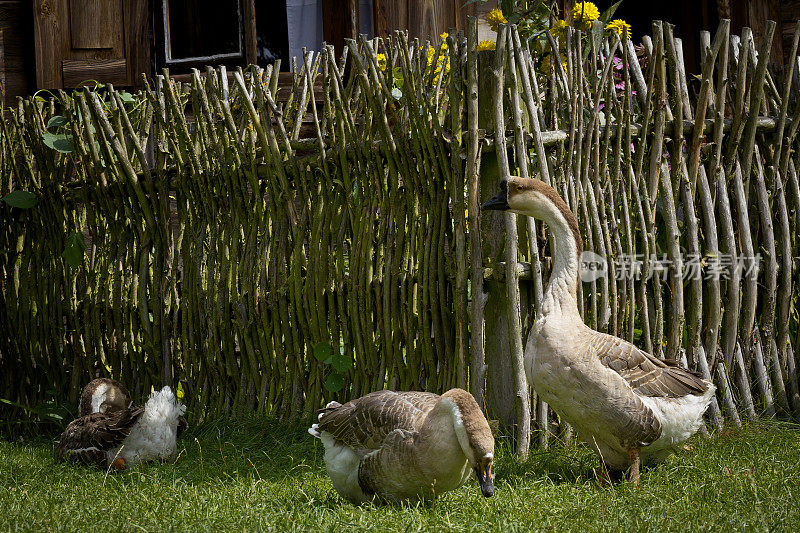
{"type": "Point", "coordinates": [560, 296]}
{"type": "Point", "coordinates": [561, 293]}
{"type": "Point", "coordinates": [439, 446]}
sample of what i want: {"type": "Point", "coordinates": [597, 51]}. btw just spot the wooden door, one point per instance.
{"type": "Point", "coordinates": [424, 19]}
{"type": "Point", "coordinates": [80, 40]}
{"type": "Point", "coordinates": [339, 22]}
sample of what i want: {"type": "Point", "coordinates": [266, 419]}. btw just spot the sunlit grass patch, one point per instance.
{"type": "Point", "coordinates": [262, 474]}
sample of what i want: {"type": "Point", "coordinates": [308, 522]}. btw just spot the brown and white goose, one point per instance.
{"type": "Point", "coordinates": [106, 395]}
{"type": "Point", "coordinates": [405, 445]}
{"type": "Point", "coordinates": [113, 435]}
{"type": "Point", "coordinates": [626, 404]}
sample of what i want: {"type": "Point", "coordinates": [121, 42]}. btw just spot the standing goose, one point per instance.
{"type": "Point", "coordinates": [405, 445]}
{"type": "Point", "coordinates": [626, 404]}
{"type": "Point", "coordinates": [119, 436]}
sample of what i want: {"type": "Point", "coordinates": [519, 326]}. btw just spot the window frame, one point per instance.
{"type": "Point", "coordinates": [243, 7]}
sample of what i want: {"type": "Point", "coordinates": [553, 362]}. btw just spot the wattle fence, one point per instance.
{"type": "Point", "coordinates": [189, 234]}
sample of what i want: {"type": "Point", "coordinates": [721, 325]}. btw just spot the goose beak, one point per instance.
{"type": "Point", "coordinates": [485, 479]}
{"type": "Point", "coordinates": [498, 202]}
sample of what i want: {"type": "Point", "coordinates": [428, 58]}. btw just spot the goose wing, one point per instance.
{"type": "Point", "coordinates": [424, 401]}
{"type": "Point", "coordinates": [648, 375]}
{"type": "Point", "coordinates": [87, 438]}
{"type": "Point", "coordinates": [365, 422]}
{"type": "Point", "coordinates": [385, 471]}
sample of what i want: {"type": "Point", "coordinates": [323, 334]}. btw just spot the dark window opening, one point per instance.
{"type": "Point", "coordinates": [196, 33]}
{"type": "Point", "coordinates": [201, 31]}
{"type": "Point", "coordinates": [272, 33]}
{"type": "Point", "coordinates": [688, 16]}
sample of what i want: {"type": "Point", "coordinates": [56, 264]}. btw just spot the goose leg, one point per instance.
{"type": "Point", "coordinates": [636, 461]}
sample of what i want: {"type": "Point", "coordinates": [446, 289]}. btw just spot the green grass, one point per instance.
{"type": "Point", "coordinates": [256, 474]}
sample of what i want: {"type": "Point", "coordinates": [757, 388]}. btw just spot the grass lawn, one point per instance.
{"type": "Point", "coordinates": [257, 474]}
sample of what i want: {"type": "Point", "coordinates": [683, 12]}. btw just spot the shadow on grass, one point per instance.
{"type": "Point", "coordinates": [260, 448]}
{"type": "Point", "coordinates": [216, 451]}
{"type": "Point", "coordinates": [558, 464]}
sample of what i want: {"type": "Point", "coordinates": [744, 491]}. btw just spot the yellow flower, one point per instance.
{"type": "Point", "coordinates": [439, 61]}
{"type": "Point", "coordinates": [443, 36]}
{"type": "Point", "coordinates": [381, 61]}
{"type": "Point", "coordinates": [559, 28]}
{"type": "Point", "coordinates": [495, 18]}
{"type": "Point", "coordinates": [545, 64]}
{"type": "Point", "coordinates": [584, 13]}
{"type": "Point", "coordinates": [486, 45]}
{"type": "Point", "coordinates": [622, 28]}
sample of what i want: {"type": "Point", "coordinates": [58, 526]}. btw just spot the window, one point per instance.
{"type": "Point", "coordinates": [272, 34]}
{"type": "Point", "coordinates": [201, 32]}
{"type": "Point", "coordinates": [196, 33]}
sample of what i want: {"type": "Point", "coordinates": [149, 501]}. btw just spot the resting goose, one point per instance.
{"type": "Point", "coordinates": [405, 445]}
{"type": "Point", "coordinates": [105, 395]}
{"type": "Point", "coordinates": [626, 404]}
{"type": "Point", "coordinates": [120, 436]}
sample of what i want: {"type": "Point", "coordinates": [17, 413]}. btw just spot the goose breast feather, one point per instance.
{"type": "Point", "coordinates": [571, 375]}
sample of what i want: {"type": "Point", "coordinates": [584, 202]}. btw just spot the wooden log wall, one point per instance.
{"type": "Point", "coordinates": [224, 252]}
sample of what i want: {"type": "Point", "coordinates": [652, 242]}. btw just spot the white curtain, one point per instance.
{"type": "Point", "coordinates": [304, 18]}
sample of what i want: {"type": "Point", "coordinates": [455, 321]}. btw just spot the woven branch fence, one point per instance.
{"type": "Point", "coordinates": [264, 271]}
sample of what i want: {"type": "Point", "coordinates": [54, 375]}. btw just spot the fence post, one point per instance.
{"type": "Point", "coordinates": [499, 388]}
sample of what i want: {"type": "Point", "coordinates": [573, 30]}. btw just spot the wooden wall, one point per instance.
{"type": "Point", "coordinates": [424, 19]}
{"type": "Point", "coordinates": [16, 49]}
{"type": "Point", "coordinates": [755, 13]}
{"type": "Point", "coordinates": [751, 13]}
{"type": "Point", "coordinates": [788, 15]}
{"type": "Point", "coordinates": [79, 40]}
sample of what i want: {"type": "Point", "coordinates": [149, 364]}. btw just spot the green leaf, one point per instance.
{"type": "Point", "coordinates": [127, 97]}
{"type": "Point", "coordinates": [596, 34]}
{"type": "Point", "coordinates": [606, 15]}
{"type": "Point", "coordinates": [399, 79]}
{"type": "Point", "coordinates": [73, 249]}
{"type": "Point", "coordinates": [323, 352]}
{"type": "Point", "coordinates": [60, 142]}
{"type": "Point", "coordinates": [335, 382]}
{"type": "Point", "coordinates": [49, 411]}
{"type": "Point", "coordinates": [15, 404]}
{"type": "Point", "coordinates": [21, 199]}
{"type": "Point", "coordinates": [57, 121]}
{"type": "Point", "coordinates": [341, 362]}
{"type": "Point", "coordinates": [88, 123]}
